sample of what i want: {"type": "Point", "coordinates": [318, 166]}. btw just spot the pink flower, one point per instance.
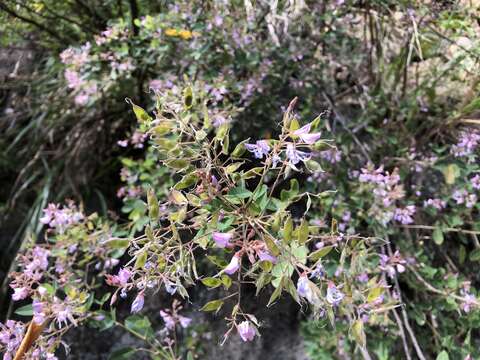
{"type": "Point", "coordinates": [233, 266]}
{"type": "Point", "coordinates": [304, 134]}
{"type": "Point", "coordinates": [82, 99]}
{"type": "Point", "coordinates": [222, 240]}
{"type": "Point", "coordinates": [246, 331]}
{"type": "Point", "coordinates": [438, 204]}
{"type": "Point", "coordinates": [155, 84]}
{"type": "Point", "coordinates": [73, 79]}
{"type": "Point", "coordinates": [121, 279]}
{"type": "Point", "coordinates": [20, 293]}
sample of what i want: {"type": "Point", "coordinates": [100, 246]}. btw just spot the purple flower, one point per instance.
{"type": "Point", "coordinates": [438, 204]}
{"type": "Point", "coordinates": [304, 134]}
{"type": "Point", "coordinates": [121, 279]}
{"type": "Point", "coordinates": [170, 287]}
{"type": "Point", "coordinates": [233, 266]}
{"type": "Point", "coordinates": [470, 200]}
{"type": "Point", "coordinates": [20, 293]}
{"type": "Point", "coordinates": [137, 304]}
{"type": "Point", "coordinates": [318, 272]}
{"type": "Point", "coordinates": [38, 315]}
{"type": "Point", "coordinates": [306, 289]}
{"type": "Point", "coordinates": [363, 277]}
{"type": "Point", "coordinates": [222, 240]}
{"type": "Point", "coordinates": [467, 144]}
{"type": "Point", "coordinates": [475, 181]}
{"type": "Point", "coordinates": [184, 321]}
{"type": "Point", "coordinates": [469, 302]}
{"type": "Point", "coordinates": [295, 156]}
{"type": "Point", "coordinates": [168, 319]}
{"type": "Point", "coordinates": [275, 160]}
{"type": "Point", "coordinates": [303, 287]}
{"type": "Point", "coordinates": [334, 296]}
{"type": "Point", "coordinates": [266, 256]}
{"type": "Point", "coordinates": [11, 335]}
{"type": "Point", "coordinates": [404, 215]}
{"type": "Point", "coordinates": [246, 331]}
{"type": "Point", "coordinates": [259, 149]}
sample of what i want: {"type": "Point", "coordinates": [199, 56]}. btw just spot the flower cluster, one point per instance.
{"type": "Point", "coordinates": [61, 217]}
{"type": "Point", "coordinates": [467, 144]}
{"type": "Point", "coordinates": [387, 190]}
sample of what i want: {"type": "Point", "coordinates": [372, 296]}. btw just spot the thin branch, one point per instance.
{"type": "Point", "coordinates": [30, 21]}
{"type": "Point", "coordinates": [413, 338]}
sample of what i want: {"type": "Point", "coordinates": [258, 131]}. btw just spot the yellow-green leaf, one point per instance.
{"type": "Point", "coordinates": [213, 305]}
{"type": "Point", "coordinates": [177, 197]}
{"type": "Point", "coordinates": [287, 230]}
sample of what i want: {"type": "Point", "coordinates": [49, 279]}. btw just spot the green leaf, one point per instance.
{"type": "Point", "coordinates": [294, 189]}
{"type": "Point", "coordinates": [252, 173]}
{"type": "Point", "coordinates": [275, 295]}
{"type": "Point", "coordinates": [475, 255]}
{"type": "Point", "coordinates": [437, 236]}
{"type": "Point", "coordinates": [140, 113]}
{"type": "Point", "coordinates": [320, 253]}
{"type": "Point", "coordinates": [238, 193]}
{"type": "Point", "coordinates": [186, 181]}
{"type": "Point", "coordinates": [26, 310]}
{"type": "Point", "coordinates": [152, 201]}
{"type": "Point", "coordinates": [122, 354]}
{"type": "Point", "coordinates": [211, 282]}
{"type": "Point", "coordinates": [139, 325]}
{"type": "Point", "coordinates": [230, 169]}
{"type": "Point", "coordinates": [239, 149]}
{"type": "Point", "coordinates": [272, 247]}
{"type": "Point", "coordinates": [177, 197]}
{"type": "Point", "coordinates": [226, 281]}
{"type": "Point", "coordinates": [287, 230]}
{"type": "Point", "coordinates": [177, 164]}
{"type": "Point", "coordinates": [188, 97]}
{"type": "Point", "coordinates": [213, 305]}
{"type": "Point", "coordinates": [443, 356]}
{"type": "Point", "coordinates": [451, 172]}
{"type": "Point", "coordinates": [374, 293]}
{"type": "Point", "coordinates": [359, 333]}
{"type": "Point", "coordinates": [302, 232]}
{"type": "Point", "coordinates": [141, 259]}
{"type": "Point", "coordinates": [118, 243]}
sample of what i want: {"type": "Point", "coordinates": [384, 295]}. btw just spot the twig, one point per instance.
{"type": "Point", "coordinates": [428, 227]}
{"type": "Point", "coordinates": [418, 350]}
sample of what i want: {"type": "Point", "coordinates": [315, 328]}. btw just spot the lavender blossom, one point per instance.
{"type": "Point", "coordinates": [137, 304]}
{"type": "Point", "coordinates": [246, 331]}
{"type": "Point", "coordinates": [233, 266]}
{"type": "Point", "coordinates": [295, 156]}
{"type": "Point", "coordinates": [259, 149]}
{"type": "Point", "coordinates": [222, 240]}
{"type": "Point", "coordinates": [334, 296]}
{"type": "Point", "coordinates": [304, 134]}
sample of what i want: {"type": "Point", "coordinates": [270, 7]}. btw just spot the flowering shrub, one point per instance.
{"type": "Point", "coordinates": [231, 205]}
